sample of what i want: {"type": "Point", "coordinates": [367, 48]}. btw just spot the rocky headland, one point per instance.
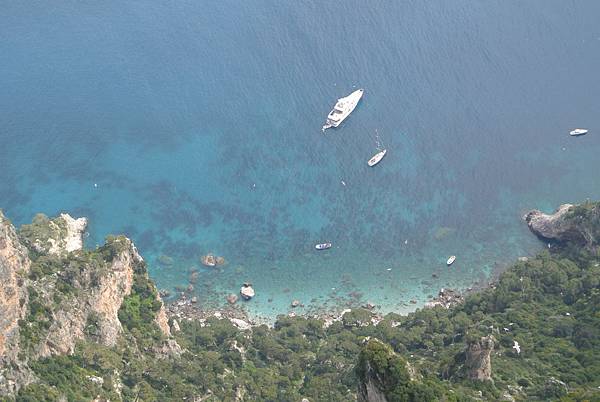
{"type": "Point", "coordinates": [79, 324]}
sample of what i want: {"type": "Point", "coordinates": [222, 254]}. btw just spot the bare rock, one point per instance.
{"type": "Point", "coordinates": [295, 303]}
{"type": "Point", "coordinates": [247, 291]}
{"type": "Point", "coordinates": [478, 361]}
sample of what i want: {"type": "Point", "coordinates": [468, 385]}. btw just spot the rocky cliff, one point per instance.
{"type": "Point", "coordinates": [569, 224]}
{"type": "Point", "coordinates": [14, 266]}
{"type": "Point", "coordinates": [55, 294]}
{"type": "Point", "coordinates": [478, 360]}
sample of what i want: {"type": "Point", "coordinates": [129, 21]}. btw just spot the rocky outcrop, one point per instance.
{"type": "Point", "coordinates": [478, 361]}
{"type": "Point", "coordinates": [14, 267]}
{"type": "Point", "coordinates": [575, 224]}
{"type": "Point", "coordinates": [446, 298]}
{"type": "Point", "coordinates": [60, 235]}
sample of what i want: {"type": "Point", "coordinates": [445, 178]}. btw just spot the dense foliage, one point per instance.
{"type": "Point", "coordinates": [550, 305]}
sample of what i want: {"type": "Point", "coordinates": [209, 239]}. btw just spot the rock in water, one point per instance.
{"type": "Point", "coordinates": [247, 291]}
{"type": "Point", "coordinates": [478, 361]}
{"type": "Point", "coordinates": [295, 303]}
{"type": "Point", "coordinates": [209, 260]}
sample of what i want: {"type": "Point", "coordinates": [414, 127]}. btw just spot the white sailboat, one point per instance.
{"type": "Point", "coordinates": [342, 109]}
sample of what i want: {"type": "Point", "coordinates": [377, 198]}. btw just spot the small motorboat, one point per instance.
{"type": "Point", "coordinates": [451, 260]}
{"type": "Point", "coordinates": [323, 246]}
{"type": "Point", "coordinates": [377, 158]}
{"type": "Point", "coordinates": [578, 131]}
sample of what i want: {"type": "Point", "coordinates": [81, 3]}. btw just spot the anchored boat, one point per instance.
{"type": "Point", "coordinates": [578, 131]}
{"type": "Point", "coordinates": [342, 109]}
{"type": "Point", "coordinates": [377, 158]}
{"type": "Point", "coordinates": [451, 260]}
{"type": "Point", "coordinates": [323, 246]}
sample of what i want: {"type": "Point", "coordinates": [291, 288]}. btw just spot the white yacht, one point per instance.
{"type": "Point", "coordinates": [578, 131]}
{"type": "Point", "coordinates": [342, 109]}
{"type": "Point", "coordinates": [377, 158]}
{"type": "Point", "coordinates": [451, 260]}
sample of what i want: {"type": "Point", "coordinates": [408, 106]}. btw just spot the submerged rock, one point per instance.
{"type": "Point", "coordinates": [165, 260]}
{"type": "Point", "coordinates": [232, 299]}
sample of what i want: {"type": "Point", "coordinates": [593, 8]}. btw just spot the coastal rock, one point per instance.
{"type": "Point", "coordinates": [573, 224]}
{"type": "Point", "coordinates": [211, 260]}
{"type": "Point", "coordinates": [241, 324]}
{"type": "Point", "coordinates": [478, 361]}
{"type": "Point", "coordinates": [446, 298]}
{"type": "Point", "coordinates": [247, 291]}
{"type": "Point", "coordinates": [295, 303]}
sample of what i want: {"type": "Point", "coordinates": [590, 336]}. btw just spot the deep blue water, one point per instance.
{"type": "Point", "coordinates": [200, 124]}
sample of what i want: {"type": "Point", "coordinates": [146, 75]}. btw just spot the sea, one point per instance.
{"type": "Point", "coordinates": [194, 127]}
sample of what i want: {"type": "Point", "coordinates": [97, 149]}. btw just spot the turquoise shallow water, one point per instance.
{"type": "Point", "coordinates": [200, 124]}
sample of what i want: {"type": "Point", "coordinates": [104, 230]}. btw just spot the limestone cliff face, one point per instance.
{"type": "Point", "coordinates": [14, 266]}
{"type": "Point", "coordinates": [62, 294]}
{"type": "Point", "coordinates": [100, 300]}
{"type": "Point", "coordinates": [478, 361]}
{"type": "Point", "coordinates": [575, 224]}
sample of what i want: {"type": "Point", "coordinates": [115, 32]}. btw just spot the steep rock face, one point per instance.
{"type": "Point", "coordinates": [14, 264]}
{"type": "Point", "coordinates": [575, 224]}
{"type": "Point", "coordinates": [100, 300]}
{"type": "Point", "coordinates": [478, 361]}
{"type": "Point", "coordinates": [54, 294]}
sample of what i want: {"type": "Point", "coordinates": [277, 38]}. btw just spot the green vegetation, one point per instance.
{"type": "Point", "coordinates": [550, 305]}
